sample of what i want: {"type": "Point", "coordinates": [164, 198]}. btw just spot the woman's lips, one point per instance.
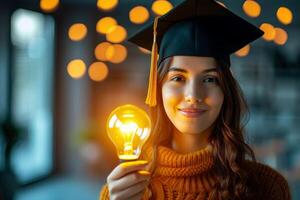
{"type": "Point", "coordinates": [191, 112]}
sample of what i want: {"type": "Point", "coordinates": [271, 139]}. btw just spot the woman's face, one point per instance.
{"type": "Point", "coordinates": [192, 97]}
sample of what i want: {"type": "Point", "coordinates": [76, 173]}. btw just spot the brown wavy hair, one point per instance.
{"type": "Point", "coordinates": [227, 138]}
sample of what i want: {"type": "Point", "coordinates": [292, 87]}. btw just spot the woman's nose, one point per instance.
{"type": "Point", "coordinates": [192, 99]}
{"type": "Point", "coordinates": [193, 93]}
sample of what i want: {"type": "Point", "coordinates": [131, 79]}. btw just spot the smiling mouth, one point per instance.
{"type": "Point", "coordinates": [192, 113]}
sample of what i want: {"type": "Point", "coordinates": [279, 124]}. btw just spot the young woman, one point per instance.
{"type": "Point", "coordinates": [197, 148]}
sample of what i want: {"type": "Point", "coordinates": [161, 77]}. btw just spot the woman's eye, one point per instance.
{"type": "Point", "coordinates": [177, 78]}
{"type": "Point", "coordinates": [210, 80]}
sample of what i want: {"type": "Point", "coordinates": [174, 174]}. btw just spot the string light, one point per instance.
{"type": "Point", "coordinates": [269, 31]}
{"type": "Point", "coordinates": [284, 15]}
{"type": "Point", "coordinates": [98, 71]}
{"type": "Point", "coordinates": [76, 68]}
{"type": "Point", "coordinates": [252, 8]}
{"type": "Point", "coordinates": [100, 51]}
{"type": "Point", "coordinates": [116, 53]}
{"type": "Point", "coordinates": [77, 32]}
{"type": "Point", "coordinates": [281, 36]}
{"type": "Point", "coordinates": [161, 7]}
{"type": "Point", "coordinates": [138, 15]}
{"type": "Point", "coordinates": [116, 34]}
{"type": "Point", "coordinates": [107, 5]}
{"type": "Point", "coordinates": [49, 5]}
{"type": "Point", "coordinates": [104, 24]}
{"type": "Point", "coordinates": [243, 51]}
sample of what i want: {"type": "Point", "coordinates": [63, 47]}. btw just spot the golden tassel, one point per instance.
{"type": "Point", "coordinates": [151, 95]}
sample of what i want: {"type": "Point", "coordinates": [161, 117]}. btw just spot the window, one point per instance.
{"type": "Point", "coordinates": [32, 36]}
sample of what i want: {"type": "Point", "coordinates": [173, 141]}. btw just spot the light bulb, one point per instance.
{"type": "Point", "coordinates": [128, 127]}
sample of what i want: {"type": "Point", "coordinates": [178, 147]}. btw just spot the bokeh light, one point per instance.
{"type": "Point", "coordinates": [138, 15]}
{"type": "Point", "coordinates": [161, 7]}
{"type": "Point", "coordinates": [269, 31]}
{"type": "Point", "coordinates": [76, 68]}
{"type": "Point", "coordinates": [104, 24]}
{"type": "Point", "coordinates": [107, 5]}
{"type": "Point", "coordinates": [243, 51]}
{"type": "Point", "coordinates": [49, 5]}
{"type": "Point", "coordinates": [252, 8]}
{"type": "Point", "coordinates": [100, 51]}
{"type": "Point", "coordinates": [98, 71]}
{"type": "Point", "coordinates": [281, 36]}
{"type": "Point", "coordinates": [116, 53]}
{"type": "Point", "coordinates": [77, 32]}
{"type": "Point", "coordinates": [116, 34]}
{"type": "Point", "coordinates": [284, 15]}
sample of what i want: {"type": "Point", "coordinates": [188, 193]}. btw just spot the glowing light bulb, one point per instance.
{"type": "Point", "coordinates": [128, 127]}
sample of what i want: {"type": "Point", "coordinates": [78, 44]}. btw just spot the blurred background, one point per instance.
{"type": "Point", "coordinates": [65, 65]}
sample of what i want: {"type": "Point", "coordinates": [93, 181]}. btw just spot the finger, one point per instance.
{"type": "Point", "coordinates": [137, 196]}
{"type": "Point", "coordinates": [128, 181]}
{"type": "Point", "coordinates": [133, 190]}
{"type": "Point", "coordinates": [125, 168]}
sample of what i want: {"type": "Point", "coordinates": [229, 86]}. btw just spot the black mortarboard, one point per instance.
{"type": "Point", "coordinates": [193, 28]}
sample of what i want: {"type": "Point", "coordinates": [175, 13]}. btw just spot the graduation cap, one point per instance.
{"type": "Point", "coordinates": [193, 28]}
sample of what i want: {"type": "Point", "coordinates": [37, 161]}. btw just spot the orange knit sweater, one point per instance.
{"type": "Point", "coordinates": [191, 176]}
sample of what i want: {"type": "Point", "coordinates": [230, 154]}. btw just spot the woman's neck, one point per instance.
{"type": "Point", "coordinates": [187, 143]}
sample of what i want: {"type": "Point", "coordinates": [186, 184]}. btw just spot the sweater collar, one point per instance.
{"type": "Point", "coordinates": [171, 163]}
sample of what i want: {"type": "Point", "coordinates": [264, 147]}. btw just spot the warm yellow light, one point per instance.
{"type": "Point", "coordinates": [98, 71]}
{"type": "Point", "coordinates": [107, 4]}
{"type": "Point", "coordinates": [284, 15]}
{"type": "Point", "coordinates": [116, 34]}
{"type": "Point", "coordinates": [116, 53]}
{"type": "Point", "coordinates": [76, 68]}
{"type": "Point", "coordinates": [281, 36]}
{"type": "Point", "coordinates": [138, 15]}
{"type": "Point", "coordinates": [243, 51]}
{"type": "Point", "coordinates": [104, 24]}
{"type": "Point", "coordinates": [251, 8]}
{"type": "Point", "coordinates": [161, 7]}
{"type": "Point", "coordinates": [110, 51]}
{"type": "Point", "coordinates": [269, 31]}
{"type": "Point", "coordinates": [145, 51]}
{"type": "Point", "coordinates": [128, 127]}
{"type": "Point", "coordinates": [100, 51]}
{"type": "Point", "coordinates": [77, 32]}
{"type": "Point", "coordinates": [49, 5]}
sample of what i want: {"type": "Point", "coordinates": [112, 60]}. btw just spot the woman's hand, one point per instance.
{"type": "Point", "coordinates": [128, 181]}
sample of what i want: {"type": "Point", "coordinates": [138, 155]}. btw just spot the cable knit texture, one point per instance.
{"type": "Point", "coordinates": [191, 177]}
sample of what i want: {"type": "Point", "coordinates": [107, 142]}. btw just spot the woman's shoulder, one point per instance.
{"type": "Point", "coordinates": [268, 180]}
{"type": "Point", "coordinates": [263, 171]}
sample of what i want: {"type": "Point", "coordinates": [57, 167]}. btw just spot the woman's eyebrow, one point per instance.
{"type": "Point", "coordinates": [209, 70]}
{"type": "Point", "coordinates": [185, 71]}
{"type": "Point", "coordinates": [175, 69]}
